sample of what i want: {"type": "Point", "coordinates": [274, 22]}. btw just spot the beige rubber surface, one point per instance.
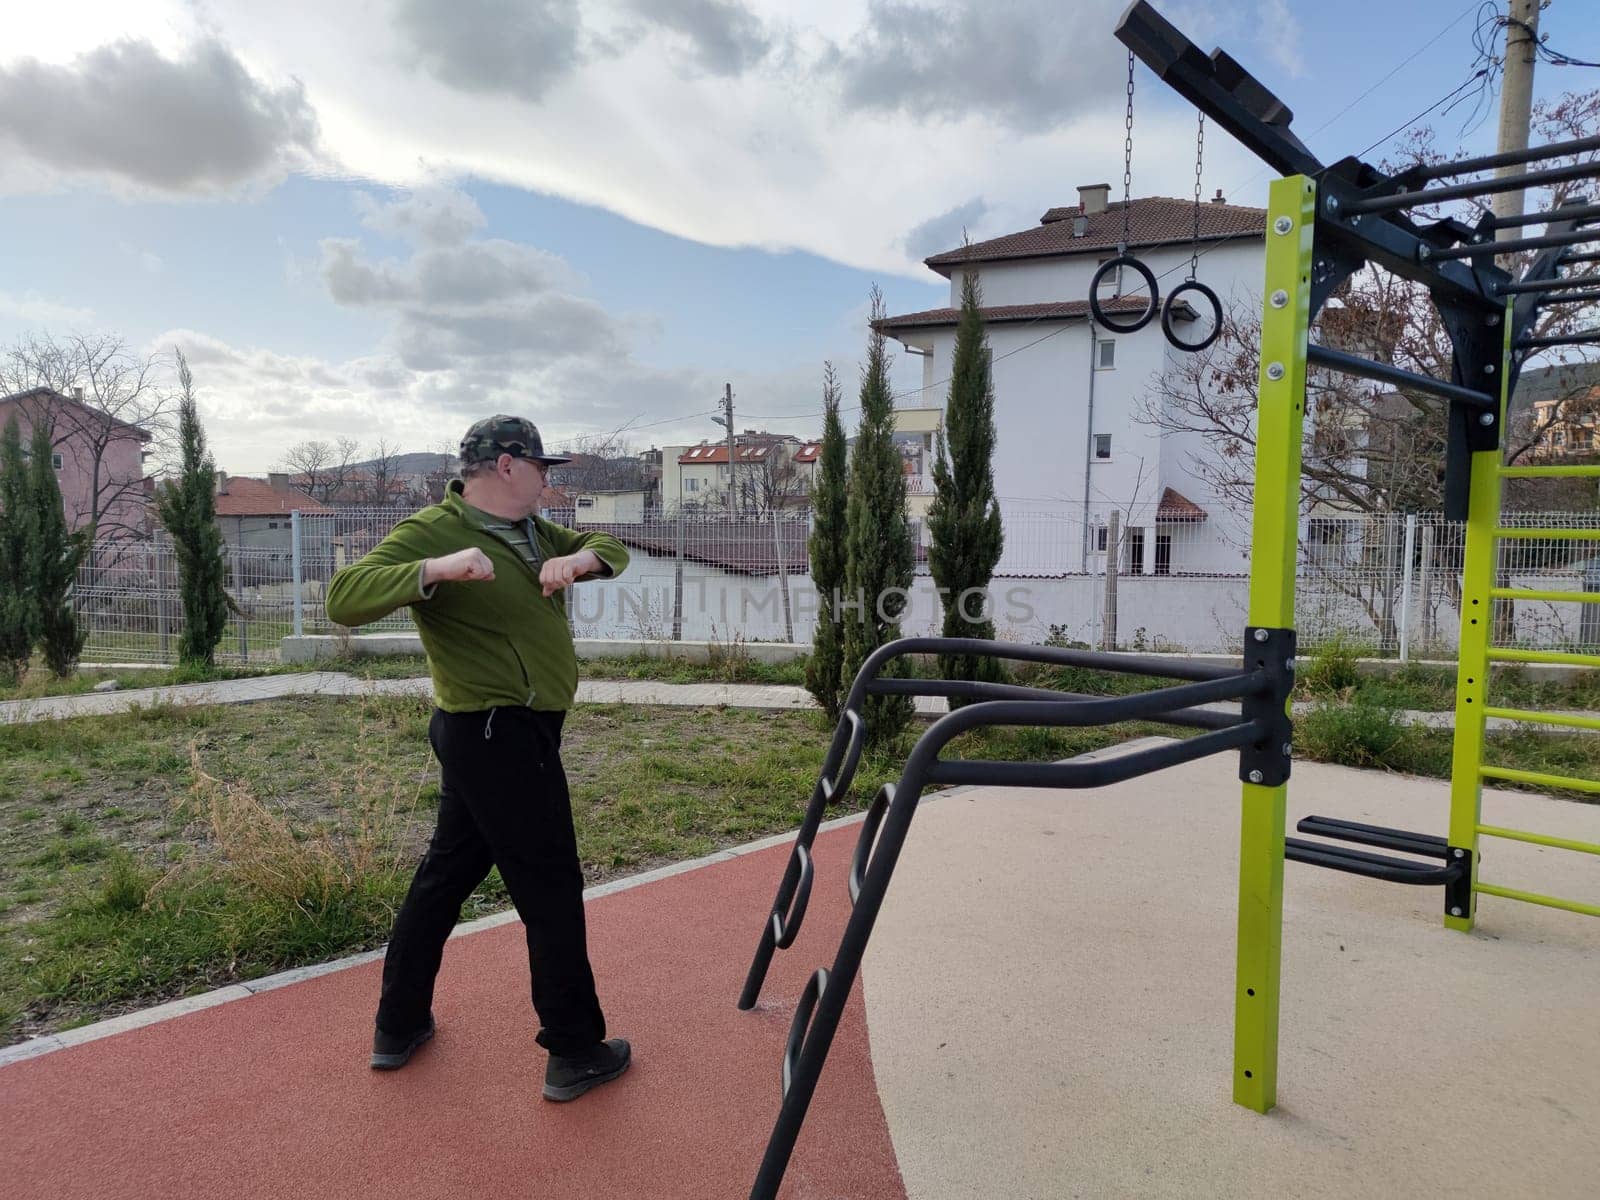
{"type": "Point", "coordinates": [1050, 1003]}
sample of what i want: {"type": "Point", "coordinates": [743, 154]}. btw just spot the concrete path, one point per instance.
{"type": "Point", "coordinates": [590, 691]}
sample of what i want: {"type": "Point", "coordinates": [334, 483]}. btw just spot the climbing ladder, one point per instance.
{"type": "Point", "coordinates": [1487, 530]}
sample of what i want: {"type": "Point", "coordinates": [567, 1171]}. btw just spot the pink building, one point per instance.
{"type": "Point", "coordinates": [99, 460]}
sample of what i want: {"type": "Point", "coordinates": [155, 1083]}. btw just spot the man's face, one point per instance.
{"type": "Point", "coordinates": [524, 477]}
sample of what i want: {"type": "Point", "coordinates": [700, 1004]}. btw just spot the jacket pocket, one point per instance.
{"type": "Point", "coordinates": [527, 680]}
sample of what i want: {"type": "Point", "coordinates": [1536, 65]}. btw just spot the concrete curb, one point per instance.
{"type": "Point", "coordinates": [50, 1043]}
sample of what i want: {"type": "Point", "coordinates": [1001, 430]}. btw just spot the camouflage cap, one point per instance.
{"type": "Point", "coordinates": [500, 434]}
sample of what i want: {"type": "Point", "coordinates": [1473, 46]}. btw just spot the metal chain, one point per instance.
{"type": "Point", "coordinates": [1199, 162]}
{"type": "Point", "coordinates": [1127, 161]}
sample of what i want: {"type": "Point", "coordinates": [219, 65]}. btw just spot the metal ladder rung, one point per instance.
{"type": "Point", "coordinates": [1548, 535]}
{"type": "Point", "coordinates": [1570, 720]}
{"type": "Point", "coordinates": [1538, 839]}
{"type": "Point", "coordinates": [1501, 593]}
{"type": "Point", "coordinates": [1489, 889]}
{"type": "Point", "coordinates": [1558, 781]}
{"type": "Point", "coordinates": [1558, 657]}
{"type": "Point", "coordinates": [1573, 472]}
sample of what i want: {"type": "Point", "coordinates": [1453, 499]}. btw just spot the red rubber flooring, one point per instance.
{"type": "Point", "coordinates": [271, 1096]}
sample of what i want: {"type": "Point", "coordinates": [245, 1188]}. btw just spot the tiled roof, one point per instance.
{"type": "Point", "coordinates": [54, 399]}
{"type": "Point", "coordinates": [241, 497]}
{"type": "Point", "coordinates": [701, 455]}
{"type": "Point", "coordinates": [1153, 221]}
{"type": "Point", "coordinates": [1063, 310]}
{"type": "Point", "coordinates": [1175, 506]}
{"type": "Point", "coordinates": [808, 453]}
{"type": "Point", "coordinates": [740, 547]}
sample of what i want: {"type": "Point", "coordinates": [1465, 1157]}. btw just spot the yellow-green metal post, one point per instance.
{"type": "Point", "coordinates": [1477, 634]}
{"type": "Point", "coordinates": [1280, 418]}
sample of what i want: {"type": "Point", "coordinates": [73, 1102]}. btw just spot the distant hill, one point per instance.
{"type": "Point", "coordinates": [414, 464]}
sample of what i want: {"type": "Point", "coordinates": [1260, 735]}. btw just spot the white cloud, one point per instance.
{"type": "Point", "coordinates": [34, 310]}
{"type": "Point", "coordinates": [1278, 32]}
{"type": "Point", "coordinates": [734, 125]}
{"type": "Point", "coordinates": [127, 115]}
{"type": "Point", "coordinates": [431, 216]}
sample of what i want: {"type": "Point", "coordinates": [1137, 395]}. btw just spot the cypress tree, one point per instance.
{"type": "Point", "coordinates": [825, 667]}
{"type": "Point", "coordinates": [188, 509]}
{"type": "Point", "coordinates": [879, 554]}
{"type": "Point", "coordinates": [19, 609]}
{"type": "Point", "coordinates": [965, 517]}
{"type": "Point", "coordinates": [56, 558]}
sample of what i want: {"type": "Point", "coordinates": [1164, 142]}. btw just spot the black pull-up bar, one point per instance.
{"type": "Point", "coordinates": [1548, 285]}
{"type": "Point", "coordinates": [1463, 191]}
{"type": "Point", "coordinates": [1571, 298]}
{"type": "Point", "coordinates": [1580, 258]}
{"type": "Point", "coordinates": [1572, 238]}
{"type": "Point", "coordinates": [1566, 339]}
{"type": "Point", "coordinates": [1508, 158]}
{"type": "Point", "coordinates": [1567, 212]}
{"type": "Point", "coordinates": [1366, 368]}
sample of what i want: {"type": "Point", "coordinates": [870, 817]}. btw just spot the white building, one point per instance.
{"type": "Point", "coordinates": [1068, 392]}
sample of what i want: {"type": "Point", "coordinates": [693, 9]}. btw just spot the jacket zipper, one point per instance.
{"type": "Point", "coordinates": [526, 678]}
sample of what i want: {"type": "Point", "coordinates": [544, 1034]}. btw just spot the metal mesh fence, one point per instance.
{"type": "Point", "coordinates": [1387, 584]}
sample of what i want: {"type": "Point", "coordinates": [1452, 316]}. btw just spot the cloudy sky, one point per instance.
{"type": "Point", "coordinates": [385, 218]}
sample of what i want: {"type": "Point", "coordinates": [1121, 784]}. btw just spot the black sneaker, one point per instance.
{"type": "Point", "coordinates": [568, 1077]}
{"type": "Point", "coordinates": [391, 1051]}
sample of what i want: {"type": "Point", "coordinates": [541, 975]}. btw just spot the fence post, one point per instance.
{"type": "Point", "coordinates": [244, 623]}
{"type": "Point", "coordinates": [1405, 586]}
{"type": "Point", "coordinates": [783, 579]}
{"type": "Point", "coordinates": [299, 574]}
{"type": "Point", "coordinates": [677, 577]}
{"type": "Point", "coordinates": [158, 570]}
{"type": "Point", "coordinates": [1425, 586]}
{"type": "Point", "coordinates": [1108, 632]}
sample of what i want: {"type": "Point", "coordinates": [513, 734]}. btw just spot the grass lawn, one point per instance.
{"type": "Point", "coordinates": [150, 855]}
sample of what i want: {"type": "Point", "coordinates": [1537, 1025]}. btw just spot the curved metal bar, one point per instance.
{"type": "Point", "coordinates": [785, 929]}
{"type": "Point", "coordinates": [970, 689]}
{"type": "Point", "coordinates": [1099, 772]}
{"type": "Point", "coordinates": [865, 839]}
{"type": "Point", "coordinates": [816, 988]}
{"type": "Point", "coordinates": [1373, 866]}
{"type": "Point", "coordinates": [1480, 187]}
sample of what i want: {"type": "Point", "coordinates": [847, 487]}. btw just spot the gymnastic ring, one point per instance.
{"type": "Point", "coordinates": [1191, 285]}
{"type": "Point", "coordinates": [1124, 260]}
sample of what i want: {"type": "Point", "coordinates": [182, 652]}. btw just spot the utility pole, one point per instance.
{"type": "Point", "coordinates": [1516, 101]}
{"type": "Point", "coordinates": [726, 419]}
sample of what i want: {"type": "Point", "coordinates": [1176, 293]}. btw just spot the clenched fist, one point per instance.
{"type": "Point", "coordinates": [558, 573]}
{"type": "Point", "coordinates": [463, 566]}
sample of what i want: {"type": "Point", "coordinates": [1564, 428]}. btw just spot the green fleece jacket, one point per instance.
{"type": "Point", "coordinates": [489, 642]}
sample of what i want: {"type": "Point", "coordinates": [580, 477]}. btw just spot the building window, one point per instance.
{"type": "Point", "coordinates": [585, 501]}
{"type": "Point", "coordinates": [1163, 554]}
{"type": "Point", "coordinates": [1102, 445]}
{"type": "Point", "coordinates": [1111, 284]}
{"type": "Point", "coordinates": [691, 485]}
{"type": "Point", "coordinates": [1105, 354]}
{"type": "Point", "coordinates": [55, 461]}
{"type": "Point", "coordinates": [1100, 533]}
{"type": "Point", "coordinates": [1136, 551]}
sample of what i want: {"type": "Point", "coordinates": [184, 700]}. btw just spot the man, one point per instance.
{"type": "Point", "coordinates": [486, 580]}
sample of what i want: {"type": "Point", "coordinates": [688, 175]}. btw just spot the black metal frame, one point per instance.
{"type": "Point", "coordinates": [1260, 731]}
{"type": "Point", "coordinates": [1455, 875]}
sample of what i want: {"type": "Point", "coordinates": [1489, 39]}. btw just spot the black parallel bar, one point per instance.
{"type": "Point", "coordinates": [1097, 773]}
{"type": "Point", "coordinates": [1376, 835]}
{"type": "Point", "coordinates": [1196, 718]}
{"type": "Point", "coordinates": [1508, 158]}
{"type": "Point", "coordinates": [1101, 660]}
{"type": "Point", "coordinates": [1514, 244]}
{"type": "Point", "coordinates": [1570, 339]}
{"type": "Point", "coordinates": [1581, 258]}
{"type": "Point", "coordinates": [1352, 364]}
{"type": "Point", "coordinates": [1373, 866]}
{"type": "Point", "coordinates": [1547, 285]}
{"type": "Point", "coordinates": [1481, 187]}
{"type": "Point", "coordinates": [1570, 212]}
{"type": "Point", "coordinates": [1572, 298]}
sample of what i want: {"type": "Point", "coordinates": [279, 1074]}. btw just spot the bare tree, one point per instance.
{"type": "Point", "coordinates": [320, 469]}
{"type": "Point", "coordinates": [601, 462]}
{"type": "Point", "coordinates": [770, 484]}
{"type": "Point", "coordinates": [119, 414]}
{"type": "Point", "coordinates": [377, 481]}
